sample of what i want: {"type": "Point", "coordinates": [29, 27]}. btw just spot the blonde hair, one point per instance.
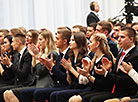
{"type": "Point", "coordinates": [104, 47]}
{"type": "Point", "coordinates": [49, 42]}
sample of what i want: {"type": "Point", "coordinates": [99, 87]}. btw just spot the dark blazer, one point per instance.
{"type": "Point", "coordinates": [74, 81]}
{"type": "Point", "coordinates": [92, 18]}
{"type": "Point", "coordinates": [7, 78]}
{"type": "Point", "coordinates": [42, 75]}
{"type": "Point", "coordinates": [40, 69]}
{"type": "Point", "coordinates": [123, 83]}
{"type": "Point", "coordinates": [22, 69]}
{"type": "Point", "coordinates": [100, 83]}
{"type": "Point", "coordinates": [113, 47]}
{"type": "Point", "coordinates": [59, 73]}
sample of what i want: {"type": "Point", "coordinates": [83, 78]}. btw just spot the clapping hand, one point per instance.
{"type": "Point", "coordinates": [126, 67]}
{"type": "Point", "coordinates": [86, 68]}
{"type": "Point", "coordinates": [33, 50]}
{"type": "Point", "coordinates": [48, 62]}
{"type": "Point", "coordinates": [6, 60]}
{"type": "Point", "coordinates": [86, 64]}
{"type": "Point", "coordinates": [66, 64]}
{"type": "Point", "coordinates": [106, 66]}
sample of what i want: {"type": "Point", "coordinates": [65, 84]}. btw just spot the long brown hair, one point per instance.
{"type": "Point", "coordinates": [35, 34]}
{"type": "Point", "coordinates": [81, 42]}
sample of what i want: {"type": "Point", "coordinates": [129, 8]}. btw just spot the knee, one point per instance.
{"type": "Point", "coordinates": [113, 100]}
{"type": "Point", "coordinates": [7, 94]}
{"type": "Point", "coordinates": [53, 95]}
{"type": "Point", "coordinates": [75, 98]}
{"type": "Point", "coordinates": [35, 94]}
{"type": "Point", "coordinates": [125, 99]}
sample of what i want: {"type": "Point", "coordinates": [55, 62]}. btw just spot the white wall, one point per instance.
{"type": "Point", "coordinates": [52, 13]}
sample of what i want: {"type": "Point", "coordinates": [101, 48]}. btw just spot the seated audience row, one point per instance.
{"type": "Point", "coordinates": [79, 65]}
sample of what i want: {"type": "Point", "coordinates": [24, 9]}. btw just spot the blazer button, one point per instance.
{"type": "Point", "coordinates": [17, 79]}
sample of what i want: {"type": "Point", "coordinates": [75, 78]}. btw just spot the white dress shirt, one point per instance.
{"type": "Point", "coordinates": [134, 75]}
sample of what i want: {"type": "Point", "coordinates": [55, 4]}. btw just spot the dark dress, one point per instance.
{"type": "Point", "coordinates": [7, 78]}
{"type": "Point", "coordinates": [124, 85]}
{"type": "Point", "coordinates": [100, 85]}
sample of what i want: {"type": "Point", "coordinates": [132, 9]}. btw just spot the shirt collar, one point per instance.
{"type": "Point", "coordinates": [98, 59]}
{"type": "Point", "coordinates": [95, 13]}
{"type": "Point", "coordinates": [22, 51]}
{"type": "Point", "coordinates": [64, 52]}
{"type": "Point", "coordinates": [129, 49]}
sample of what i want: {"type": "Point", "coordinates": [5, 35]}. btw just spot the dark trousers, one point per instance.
{"type": "Point", "coordinates": [3, 89]}
{"type": "Point", "coordinates": [38, 94]}
{"type": "Point", "coordinates": [27, 94]}
{"type": "Point", "coordinates": [64, 95]}
{"type": "Point", "coordinates": [17, 91]}
{"type": "Point", "coordinates": [102, 96]}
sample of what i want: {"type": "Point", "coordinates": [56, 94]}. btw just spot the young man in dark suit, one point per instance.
{"type": "Point", "coordinates": [58, 73]}
{"type": "Point", "coordinates": [93, 15]}
{"type": "Point", "coordinates": [106, 27]}
{"type": "Point", "coordinates": [20, 64]}
{"type": "Point", "coordinates": [123, 85]}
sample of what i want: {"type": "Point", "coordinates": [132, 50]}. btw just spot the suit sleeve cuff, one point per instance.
{"type": "Point", "coordinates": [130, 73]}
{"type": "Point", "coordinates": [51, 71]}
{"type": "Point", "coordinates": [106, 73]}
{"type": "Point", "coordinates": [134, 75]}
{"type": "Point", "coordinates": [10, 65]}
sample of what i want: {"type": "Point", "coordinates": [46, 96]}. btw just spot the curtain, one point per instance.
{"type": "Point", "coordinates": [50, 14]}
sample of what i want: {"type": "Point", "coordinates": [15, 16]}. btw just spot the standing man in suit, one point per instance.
{"type": "Point", "coordinates": [124, 85]}
{"type": "Point", "coordinates": [93, 15]}
{"type": "Point", "coordinates": [20, 64]}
